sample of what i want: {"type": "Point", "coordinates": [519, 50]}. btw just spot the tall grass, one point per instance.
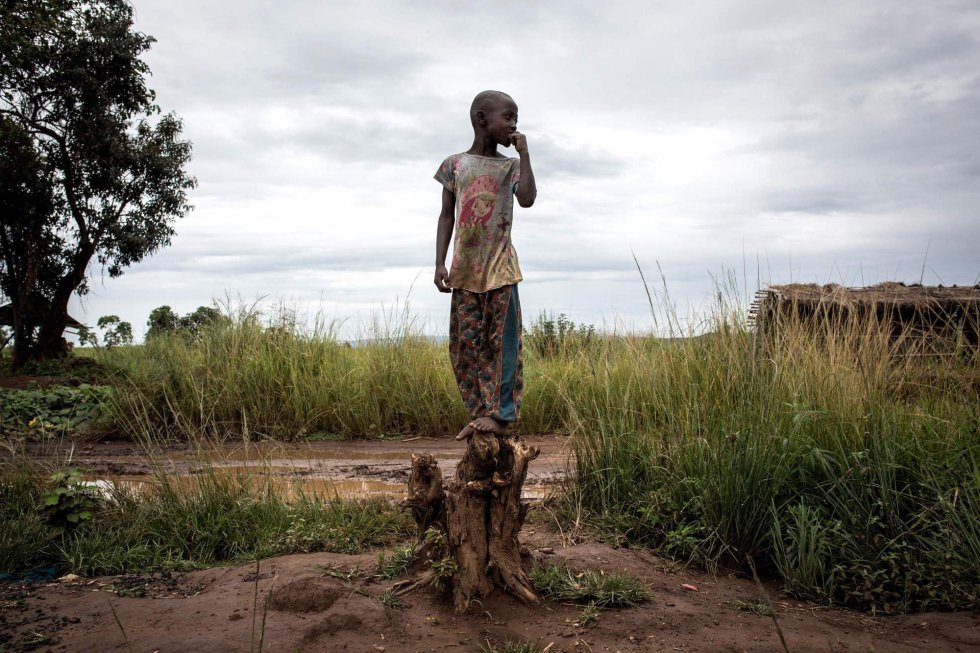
{"type": "Point", "coordinates": [277, 380]}
{"type": "Point", "coordinates": [826, 454]}
{"type": "Point", "coordinates": [830, 456]}
{"type": "Point", "coordinates": [171, 523]}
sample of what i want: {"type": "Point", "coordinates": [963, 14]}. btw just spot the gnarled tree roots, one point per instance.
{"type": "Point", "coordinates": [469, 525]}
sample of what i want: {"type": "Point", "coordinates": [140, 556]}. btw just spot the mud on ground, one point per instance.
{"type": "Point", "coordinates": [291, 603]}
{"type": "Point", "coordinates": [356, 468]}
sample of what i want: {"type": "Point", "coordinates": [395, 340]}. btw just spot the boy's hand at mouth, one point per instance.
{"type": "Point", "coordinates": [519, 142]}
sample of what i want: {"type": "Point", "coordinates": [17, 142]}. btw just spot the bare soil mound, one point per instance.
{"type": "Point", "coordinates": [306, 594]}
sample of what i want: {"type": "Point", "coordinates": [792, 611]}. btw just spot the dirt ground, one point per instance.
{"type": "Point", "coordinates": [293, 604]}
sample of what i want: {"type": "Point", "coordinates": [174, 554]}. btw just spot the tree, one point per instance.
{"type": "Point", "coordinates": [26, 238]}
{"type": "Point", "coordinates": [164, 320]}
{"type": "Point", "coordinates": [114, 332]}
{"type": "Point", "coordinates": [200, 319]}
{"type": "Point", "coordinates": [90, 168]}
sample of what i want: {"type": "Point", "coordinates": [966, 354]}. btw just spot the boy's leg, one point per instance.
{"type": "Point", "coordinates": [466, 348]}
{"type": "Point", "coordinates": [502, 379]}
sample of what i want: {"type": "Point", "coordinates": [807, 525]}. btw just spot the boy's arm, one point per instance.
{"type": "Point", "coordinates": [443, 234]}
{"type": "Point", "coordinates": [527, 192]}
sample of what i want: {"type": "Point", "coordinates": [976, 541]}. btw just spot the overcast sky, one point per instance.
{"type": "Point", "coordinates": [771, 141]}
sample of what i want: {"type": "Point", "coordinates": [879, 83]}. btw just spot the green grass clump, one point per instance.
{"type": "Point", "coordinates": [761, 608]}
{"type": "Point", "coordinates": [389, 599]}
{"type": "Point", "coordinates": [596, 587]}
{"type": "Point", "coordinates": [589, 616]}
{"type": "Point", "coordinates": [826, 455]}
{"type": "Point", "coordinates": [172, 524]}
{"type": "Point", "coordinates": [396, 564]}
{"type": "Point", "coordinates": [512, 646]}
{"type": "Point", "coordinates": [26, 539]}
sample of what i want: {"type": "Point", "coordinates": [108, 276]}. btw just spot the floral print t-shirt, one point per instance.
{"type": "Point", "coordinates": [483, 256]}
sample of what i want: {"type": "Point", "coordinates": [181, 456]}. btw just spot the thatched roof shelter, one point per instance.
{"type": "Point", "coordinates": [7, 318]}
{"type": "Point", "coordinates": [944, 316]}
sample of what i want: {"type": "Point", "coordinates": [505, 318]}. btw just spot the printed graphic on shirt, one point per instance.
{"type": "Point", "coordinates": [483, 256]}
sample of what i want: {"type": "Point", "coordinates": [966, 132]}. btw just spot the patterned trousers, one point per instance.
{"type": "Point", "coordinates": [485, 351]}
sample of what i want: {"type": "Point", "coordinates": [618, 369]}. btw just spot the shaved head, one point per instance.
{"type": "Point", "coordinates": [486, 100]}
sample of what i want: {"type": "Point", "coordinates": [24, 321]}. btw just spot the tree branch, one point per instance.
{"type": "Point", "coordinates": [76, 211]}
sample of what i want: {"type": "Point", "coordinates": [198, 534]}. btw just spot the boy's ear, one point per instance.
{"type": "Point", "coordinates": [481, 117]}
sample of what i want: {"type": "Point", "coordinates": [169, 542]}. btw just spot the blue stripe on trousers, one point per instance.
{"type": "Point", "coordinates": [508, 409]}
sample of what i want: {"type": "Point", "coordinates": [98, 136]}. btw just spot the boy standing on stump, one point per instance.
{"type": "Point", "coordinates": [485, 318]}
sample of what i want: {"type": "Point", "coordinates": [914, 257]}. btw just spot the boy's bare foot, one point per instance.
{"type": "Point", "coordinates": [467, 431]}
{"type": "Point", "coordinates": [489, 424]}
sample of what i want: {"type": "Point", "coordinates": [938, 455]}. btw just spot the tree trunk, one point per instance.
{"type": "Point", "coordinates": [50, 338]}
{"type": "Point", "coordinates": [23, 345]}
{"type": "Point", "coordinates": [24, 329]}
{"type": "Point", "coordinates": [480, 513]}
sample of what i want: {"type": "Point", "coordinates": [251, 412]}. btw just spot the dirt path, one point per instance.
{"type": "Point", "coordinates": [350, 468]}
{"type": "Point", "coordinates": [308, 611]}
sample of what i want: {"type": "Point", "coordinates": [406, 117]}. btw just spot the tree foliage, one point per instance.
{"type": "Point", "coordinates": [164, 320]}
{"type": "Point", "coordinates": [91, 171]}
{"type": "Point", "coordinates": [114, 332]}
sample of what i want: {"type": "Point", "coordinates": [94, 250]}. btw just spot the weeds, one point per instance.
{"type": "Point", "coordinates": [595, 587]}
{"type": "Point", "coordinates": [444, 569]}
{"type": "Point", "coordinates": [39, 414]}
{"type": "Point", "coordinates": [396, 564]}
{"type": "Point", "coordinates": [346, 577]}
{"type": "Point", "coordinates": [31, 640]}
{"type": "Point", "coordinates": [760, 608]}
{"type": "Point", "coordinates": [390, 599]}
{"type": "Point", "coordinates": [512, 646]}
{"type": "Point", "coordinates": [26, 539]}
{"type": "Point", "coordinates": [549, 337]}
{"type": "Point", "coordinates": [168, 525]}
{"type": "Point", "coordinates": [284, 382]}
{"type": "Point", "coordinates": [67, 503]}
{"type": "Point", "coordinates": [589, 616]}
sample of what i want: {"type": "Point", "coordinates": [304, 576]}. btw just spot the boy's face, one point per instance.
{"type": "Point", "coordinates": [502, 120]}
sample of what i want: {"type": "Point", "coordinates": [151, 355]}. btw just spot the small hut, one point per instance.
{"type": "Point", "coordinates": [937, 320]}
{"type": "Point", "coordinates": [7, 319]}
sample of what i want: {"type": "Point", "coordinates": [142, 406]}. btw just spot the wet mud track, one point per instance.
{"type": "Point", "coordinates": [348, 468]}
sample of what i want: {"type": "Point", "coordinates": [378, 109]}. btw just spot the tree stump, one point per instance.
{"type": "Point", "coordinates": [479, 513]}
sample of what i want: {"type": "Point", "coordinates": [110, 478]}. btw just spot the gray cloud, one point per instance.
{"type": "Point", "coordinates": [794, 141]}
{"type": "Point", "coordinates": [575, 159]}
{"type": "Point", "coordinates": [279, 259]}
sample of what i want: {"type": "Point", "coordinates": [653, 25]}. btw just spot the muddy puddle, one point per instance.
{"type": "Point", "coordinates": [312, 487]}
{"type": "Point", "coordinates": [345, 469]}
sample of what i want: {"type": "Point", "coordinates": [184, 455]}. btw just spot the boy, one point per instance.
{"type": "Point", "coordinates": [485, 317]}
